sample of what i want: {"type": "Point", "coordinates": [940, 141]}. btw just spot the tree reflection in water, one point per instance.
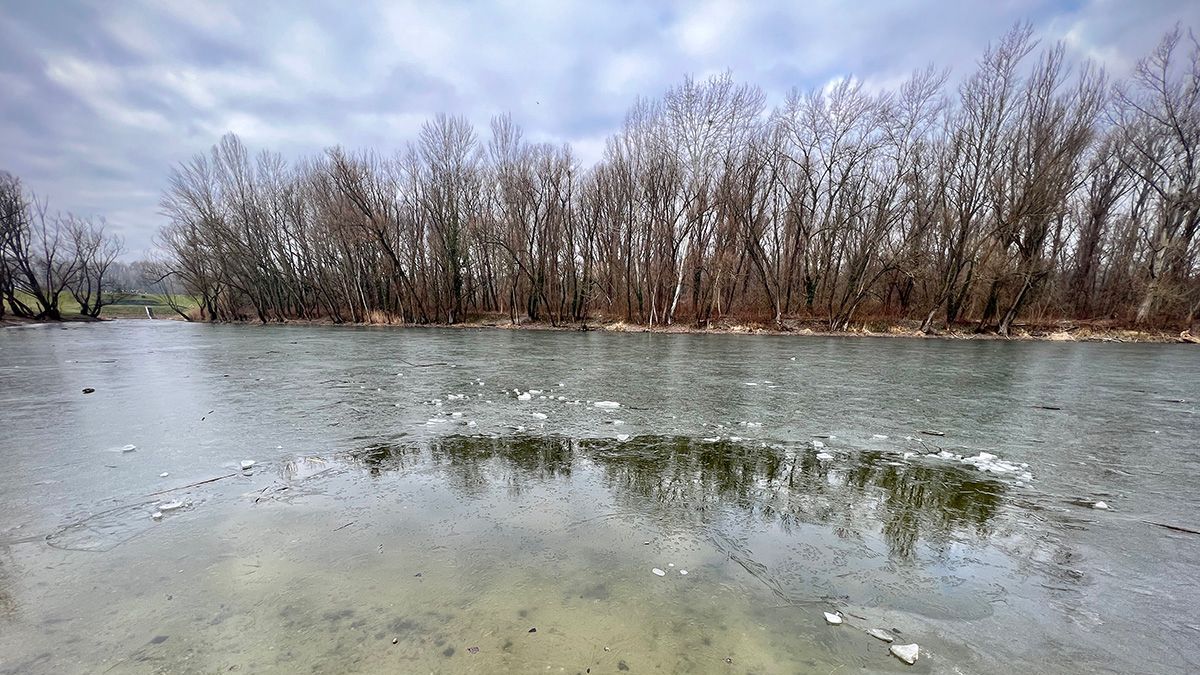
{"type": "Point", "coordinates": [693, 481]}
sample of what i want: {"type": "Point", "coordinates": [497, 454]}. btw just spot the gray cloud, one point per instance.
{"type": "Point", "coordinates": [99, 100]}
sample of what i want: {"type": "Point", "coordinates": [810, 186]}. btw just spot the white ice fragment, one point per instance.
{"type": "Point", "coordinates": [524, 397]}
{"type": "Point", "coordinates": [607, 404]}
{"type": "Point", "coordinates": [824, 456]}
{"type": "Point", "coordinates": [535, 392]}
{"type": "Point", "coordinates": [456, 414]}
{"type": "Point", "coordinates": [879, 437]}
{"type": "Point", "coordinates": [157, 515]}
{"type": "Point", "coordinates": [833, 619]}
{"type": "Point", "coordinates": [683, 572]}
{"type": "Point", "coordinates": [622, 437]}
{"type": "Point", "coordinates": [1100, 505]}
{"type": "Point", "coordinates": [163, 474]}
{"type": "Point", "coordinates": [670, 564]}
{"type": "Point", "coordinates": [247, 463]}
{"type": "Point", "coordinates": [128, 448]}
{"type": "Point", "coordinates": [711, 439]}
{"type": "Point", "coordinates": [170, 506]}
{"type": "Point", "coordinates": [562, 398]}
{"type": "Point", "coordinates": [659, 572]}
{"type": "Point", "coordinates": [818, 445]}
{"type": "Point", "coordinates": [561, 384]}
{"type": "Point", "coordinates": [750, 384]}
{"type": "Point", "coordinates": [540, 416]}
{"type": "Point", "coordinates": [880, 634]}
{"type": "Point", "coordinates": [906, 653]}
{"type": "Point", "coordinates": [471, 423]}
{"type": "Point", "coordinates": [793, 358]}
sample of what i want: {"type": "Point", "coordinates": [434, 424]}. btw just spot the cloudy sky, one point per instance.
{"type": "Point", "coordinates": [99, 99]}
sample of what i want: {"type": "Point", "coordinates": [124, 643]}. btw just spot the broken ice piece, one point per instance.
{"type": "Point", "coordinates": [683, 572]}
{"type": "Point", "coordinates": [659, 572]}
{"type": "Point", "coordinates": [607, 404]}
{"type": "Point", "coordinates": [128, 448]}
{"type": "Point", "coordinates": [163, 474]}
{"type": "Point", "coordinates": [170, 506]}
{"type": "Point", "coordinates": [824, 455]}
{"type": "Point", "coordinates": [833, 619]}
{"type": "Point", "coordinates": [157, 515]}
{"type": "Point", "coordinates": [906, 653]}
{"type": "Point", "coordinates": [880, 634]}
{"type": "Point", "coordinates": [1100, 505]}
{"type": "Point", "coordinates": [247, 463]}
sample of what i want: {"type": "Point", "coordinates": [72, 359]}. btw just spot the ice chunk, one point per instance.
{"type": "Point", "coordinates": [824, 456]}
{"type": "Point", "coordinates": [879, 437]}
{"type": "Point", "coordinates": [471, 423]}
{"type": "Point", "coordinates": [1100, 505]}
{"type": "Point", "coordinates": [607, 404]}
{"type": "Point", "coordinates": [157, 515]}
{"type": "Point", "coordinates": [818, 445]}
{"type": "Point", "coordinates": [880, 634]}
{"type": "Point", "coordinates": [683, 572]}
{"type": "Point", "coordinates": [170, 506]}
{"type": "Point", "coordinates": [622, 437]}
{"type": "Point", "coordinates": [128, 448]}
{"type": "Point", "coordinates": [540, 416]}
{"type": "Point", "coordinates": [659, 572]}
{"type": "Point", "coordinates": [833, 619]}
{"type": "Point", "coordinates": [524, 397]}
{"type": "Point", "coordinates": [163, 474]}
{"type": "Point", "coordinates": [247, 463]}
{"type": "Point", "coordinates": [906, 653]}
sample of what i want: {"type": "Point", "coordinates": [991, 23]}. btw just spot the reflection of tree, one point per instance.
{"type": "Point", "coordinates": [689, 481]}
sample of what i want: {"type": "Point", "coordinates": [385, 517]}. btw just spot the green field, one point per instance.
{"type": "Point", "coordinates": [131, 307]}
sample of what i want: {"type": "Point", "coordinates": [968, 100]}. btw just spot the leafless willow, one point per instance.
{"type": "Point", "coordinates": [1036, 190]}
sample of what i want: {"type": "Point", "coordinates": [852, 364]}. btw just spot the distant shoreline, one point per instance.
{"type": "Point", "coordinates": [1065, 332]}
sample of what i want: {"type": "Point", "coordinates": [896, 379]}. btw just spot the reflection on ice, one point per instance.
{"type": "Point", "coordinates": [688, 478]}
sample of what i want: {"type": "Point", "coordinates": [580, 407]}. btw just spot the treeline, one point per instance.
{"type": "Point", "coordinates": [1035, 190]}
{"type": "Point", "coordinates": [45, 256]}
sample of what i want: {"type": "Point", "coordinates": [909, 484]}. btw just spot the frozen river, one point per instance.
{"type": "Point", "coordinates": [427, 500]}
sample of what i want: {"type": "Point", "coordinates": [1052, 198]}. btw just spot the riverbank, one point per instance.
{"type": "Point", "coordinates": [1058, 332]}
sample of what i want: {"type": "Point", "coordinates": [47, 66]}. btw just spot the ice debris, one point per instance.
{"type": "Point", "coordinates": [818, 445]}
{"type": "Point", "coordinates": [128, 448]}
{"type": "Point", "coordinates": [658, 572]}
{"type": "Point", "coordinates": [170, 506]}
{"type": "Point", "coordinates": [833, 619]}
{"type": "Point", "coordinates": [524, 397]}
{"type": "Point", "coordinates": [906, 653]}
{"type": "Point", "coordinates": [163, 474]}
{"type": "Point", "coordinates": [157, 515]}
{"type": "Point", "coordinates": [880, 634]}
{"type": "Point", "coordinates": [607, 404]}
{"type": "Point", "coordinates": [1100, 505]}
{"type": "Point", "coordinates": [247, 463]}
{"type": "Point", "coordinates": [824, 456]}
